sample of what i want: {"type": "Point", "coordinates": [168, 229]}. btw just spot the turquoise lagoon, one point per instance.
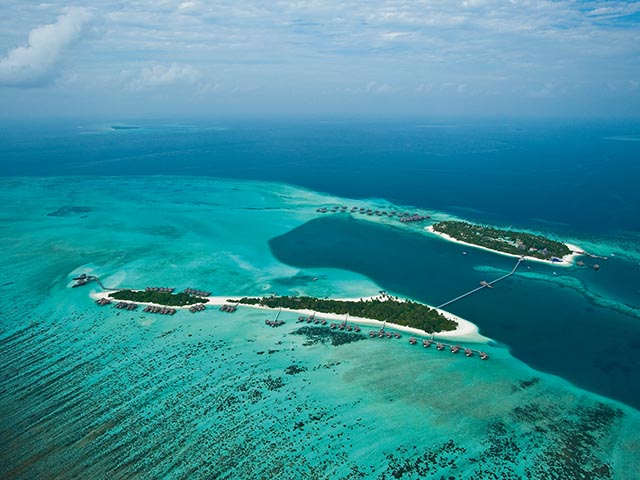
{"type": "Point", "coordinates": [90, 392]}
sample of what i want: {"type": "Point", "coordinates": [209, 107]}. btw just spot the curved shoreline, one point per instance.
{"type": "Point", "coordinates": [566, 261]}
{"type": "Point", "coordinates": [465, 330]}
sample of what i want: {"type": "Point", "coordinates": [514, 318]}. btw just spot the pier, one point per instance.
{"type": "Point", "coordinates": [483, 285]}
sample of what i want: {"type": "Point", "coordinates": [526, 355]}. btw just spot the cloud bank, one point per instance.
{"type": "Point", "coordinates": [36, 63]}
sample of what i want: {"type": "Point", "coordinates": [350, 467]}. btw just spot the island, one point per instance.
{"type": "Point", "coordinates": [125, 127]}
{"type": "Point", "coordinates": [510, 242]}
{"type": "Point", "coordinates": [168, 299]}
{"type": "Point", "coordinates": [398, 312]}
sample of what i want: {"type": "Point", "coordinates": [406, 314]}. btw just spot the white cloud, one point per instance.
{"type": "Point", "coordinates": [37, 63]}
{"type": "Point", "coordinates": [159, 75]}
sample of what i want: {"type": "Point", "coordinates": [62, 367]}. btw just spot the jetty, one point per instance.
{"type": "Point", "coordinates": [483, 284]}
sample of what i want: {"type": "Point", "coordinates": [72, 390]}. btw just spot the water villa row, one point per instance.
{"type": "Point", "coordinates": [403, 216]}
{"type": "Point", "coordinates": [160, 310]}
{"type": "Point", "coordinates": [160, 289]}
{"type": "Point", "coordinates": [275, 322]}
{"type": "Point", "coordinates": [382, 333]}
{"type": "Point", "coordinates": [229, 308]}
{"type": "Point", "coordinates": [196, 292]}
{"type": "Point", "coordinates": [83, 279]}
{"type": "Point", "coordinates": [415, 218]}
{"type": "Point", "coordinates": [127, 306]}
{"type": "Point", "coordinates": [198, 307]}
{"type": "Point", "coordinates": [468, 352]}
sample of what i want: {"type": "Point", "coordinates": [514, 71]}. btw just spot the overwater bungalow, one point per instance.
{"type": "Point", "coordinates": [333, 326]}
{"type": "Point", "coordinates": [439, 346]}
{"type": "Point", "coordinates": [468, 352]}
{"type": "Point", "coordinates": [412, 341]}
{"type": "Point", "coordinates": [356, 329]}
{"type": "Point", "coordinates": [426, 343]}
{"type": "Point", "coordinates": [372, 333]}
{"type": "Point", "coordinates": [484, 356]}
{"type": "Point", "coordinates": [397, 335]}
{"type": "Point", "coordinates": [455, 348]}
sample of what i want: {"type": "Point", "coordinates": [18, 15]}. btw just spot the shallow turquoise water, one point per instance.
{"type": "Point", "coordinates": [100, 393]}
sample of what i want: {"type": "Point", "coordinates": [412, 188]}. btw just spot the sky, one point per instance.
{"type": "Point", "coordinates": [146, 58]}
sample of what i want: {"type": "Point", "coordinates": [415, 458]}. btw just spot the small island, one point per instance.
{"type": "Point", "coordinates": [404, 313]}
{"type": "Point", "coordinates": [168, 299]}
{"type": "Point", "coordinates": [505, 241]}
{"type": "Point", "coordinates": [125, 127]}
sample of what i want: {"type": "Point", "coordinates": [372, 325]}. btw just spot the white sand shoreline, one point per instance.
{"type": "Point", "coordinates": [566, 261]}
{"type": "Point", "coordinates": [465, 331]}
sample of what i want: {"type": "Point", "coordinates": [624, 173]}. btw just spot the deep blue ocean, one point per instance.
{"type": "Point", "coordinates": [572, 180]}
{"type": "Point", "coordinates": [576, 177]}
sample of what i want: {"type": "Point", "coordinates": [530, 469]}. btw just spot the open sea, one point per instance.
{"type": "Point", "coordinates": [231, 207]}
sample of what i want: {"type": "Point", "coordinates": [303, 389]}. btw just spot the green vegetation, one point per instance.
{"type": "Point", "coordinates": [407, 313]}
{"type": "Point", "coordinates": [161, 298]}
{"type": "Point", "coordinates": [507, 241]}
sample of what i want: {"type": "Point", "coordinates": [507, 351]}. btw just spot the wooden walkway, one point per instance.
{"type": "Point", "coordinates": [484, 285]}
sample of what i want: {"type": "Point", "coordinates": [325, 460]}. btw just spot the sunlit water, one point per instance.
{"type": "Point", "coordinates": [95, 392]}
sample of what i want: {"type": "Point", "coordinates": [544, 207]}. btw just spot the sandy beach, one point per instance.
{"type": "Point", "coordinates": [566, 261]}
{"type": "Point", "coordinates": [465, 331]}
